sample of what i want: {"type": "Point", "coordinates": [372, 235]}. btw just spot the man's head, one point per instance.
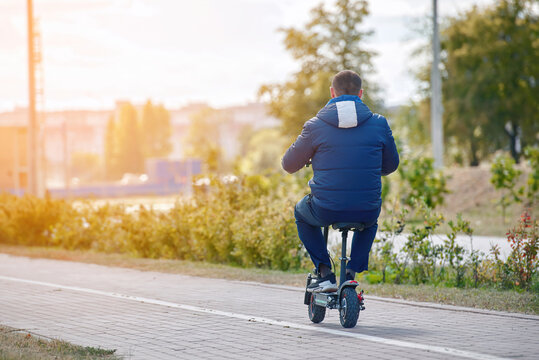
{"type": "Point", "coordinates": [346, 82]}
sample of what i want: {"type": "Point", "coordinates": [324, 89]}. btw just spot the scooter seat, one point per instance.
{"type": "Point", "coordinates": [345, 226]}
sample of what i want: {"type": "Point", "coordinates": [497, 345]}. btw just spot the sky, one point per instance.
{"type": "Point", "coordinates": [177, 52]}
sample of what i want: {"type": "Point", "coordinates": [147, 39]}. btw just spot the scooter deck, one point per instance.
{"type": "Point", "coordinates": [329, 300]}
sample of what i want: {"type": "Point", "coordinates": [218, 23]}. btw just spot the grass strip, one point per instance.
{"type": "Point", "coordinates": [18, 344]}
{"type": "Point", "coordinates": [481, 298]}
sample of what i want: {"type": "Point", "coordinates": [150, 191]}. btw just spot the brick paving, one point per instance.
{"type": "Point", "coordinates": [142, 330]}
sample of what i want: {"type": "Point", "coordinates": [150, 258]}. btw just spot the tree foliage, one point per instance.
{"type": "Point", "coordinates": [156, 128]}
{"type": "Point", "coordinates": [532, 155]}
{"type": "Point", "coordinates": [123, 152]}
{"type": "Point", "coordinates": [86, 166]}
{"type": "Point", "coordinates": [489, 81]}
{"type": "Point", "coordinates": [504, 178]}
{"type": "Point", "coordinates": [421, 182]}
{"type": "Point", "coordinates": [131, 137]}
{"type": "Point", "coordinates": [330, 42]}
{"type": "Point", "coordinates": [110, 150]}
{"type": "Point", "coordinates": [203, 138]}
{"type": "Point", "coordinates": [490, 85]}
{"type": "Point", "coordinates": [128, 141]}
{"type": "Point", "coordinates": [262, 152]}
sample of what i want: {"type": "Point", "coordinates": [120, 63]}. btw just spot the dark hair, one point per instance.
{"type": "Point", "coordinates": [346, 82]}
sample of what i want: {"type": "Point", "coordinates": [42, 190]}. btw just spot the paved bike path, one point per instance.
{"type": "Point", "coordinates": [150, 315]}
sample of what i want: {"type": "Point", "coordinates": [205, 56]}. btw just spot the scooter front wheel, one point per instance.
{"type": "Point", "coordinates": [349, 309]}
{"type": "Point", "coordinates": [317, 313]}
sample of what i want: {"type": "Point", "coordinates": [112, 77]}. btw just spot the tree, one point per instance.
{"type": "Point", "coordinates": [156, 129]}
{"type": "Point", "coordinates": [504, 178]}
{"type": "Point", "coordinates": [263, 152]}
{"type": "Point", "coordinates": [111, 157]}
{"type": "Point", "coordinates": [128, 141]}
{"type": "Point", "coordinates": [532, 155]}
{"type": "Point", "coordinates": [490, 84]}
{"type": "Point", "coordinates": [411, 124]}
{"type": "Point", "coordinates": [203, 137]}
{"type": "Point", "coordinates": [86, 166]}
{"type": "Point", "coordinates": [330, 42]}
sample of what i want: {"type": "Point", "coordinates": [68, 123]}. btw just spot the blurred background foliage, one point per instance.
{"type": "Point", "coordinates": [489, 78]}
{"type": "Point", "coordinates": [133, 136]}
{"type": "Point", "coordinates": [330, 42]}
{"type": "Point", "coordinates": [202, 139]}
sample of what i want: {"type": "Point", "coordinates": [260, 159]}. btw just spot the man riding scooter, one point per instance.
{"type": "Point", "coordinates": [350, 148]}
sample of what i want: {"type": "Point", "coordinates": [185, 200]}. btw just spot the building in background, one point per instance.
{"type": "Point", "coordinates": [13, 159]}
{"type": "Point", "coordinates": [83, 131]}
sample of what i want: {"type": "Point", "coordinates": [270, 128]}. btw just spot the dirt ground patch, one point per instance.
{"type": "Point", "coordinates": [475, 198]}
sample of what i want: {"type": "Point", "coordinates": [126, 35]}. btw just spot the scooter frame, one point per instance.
{"type": "Point", "coordinates": [333, 300]}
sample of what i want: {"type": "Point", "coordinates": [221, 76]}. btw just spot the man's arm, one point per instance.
{"type": "Point", "coordinates": [299, 153]}
{"type": "Point", "coordinates": [390, 156]}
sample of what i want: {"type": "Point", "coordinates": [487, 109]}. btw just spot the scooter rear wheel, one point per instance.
{"type": "Point", "coordinates": [349, 310]}
{"type": "Point", "coordinates": [317, 313]}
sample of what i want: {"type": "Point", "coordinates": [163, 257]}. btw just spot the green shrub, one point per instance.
{"type": "Point", "coordinates": [504, 178]}
{"type": "Point", "coordinates": [247, 221]}
{"type": "Point", "coordinates": [28, 220]}
{"type": "Point", "coordinates": [523, 262]}
{"type": "Point", "coordinates": [532, 155]}
{"type": "Point", "coordinates": [421, 182]}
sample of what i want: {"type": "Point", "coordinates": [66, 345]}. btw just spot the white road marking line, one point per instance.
{"type": "Point", "coordinates": [406, 344]}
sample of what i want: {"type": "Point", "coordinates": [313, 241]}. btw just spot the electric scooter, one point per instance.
{"type": "Point", "coordinates": [345, 299]}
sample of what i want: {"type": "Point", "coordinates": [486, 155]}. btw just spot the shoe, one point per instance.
{"type": "Point", "coordinates": [350, 277]}
{"type": "Point", "coordinates": [326, 284]}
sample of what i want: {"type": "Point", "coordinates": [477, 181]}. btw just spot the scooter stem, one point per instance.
{"type": "Point", "coordinates": [343, 257]}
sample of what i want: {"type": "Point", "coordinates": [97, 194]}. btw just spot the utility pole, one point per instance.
{"type": "Point", "coordinates": [40, 110]}
{"type": "Point", "coordinates": [32, 119]}
{"type": "Point", "coordinates": [436, 110]}
{"type": "Point", "coordinates": [67, 175]}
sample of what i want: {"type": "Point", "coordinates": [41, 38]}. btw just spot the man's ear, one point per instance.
{"type": "Point", "coordinates": [332, 91]}
{"type": "Point", "coordinates": [360, 93]}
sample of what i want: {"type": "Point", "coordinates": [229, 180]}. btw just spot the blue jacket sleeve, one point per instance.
{"type": "Point", "coordinates": [299, 153]}
{"type": "Point", "coordinates": [390, 155]}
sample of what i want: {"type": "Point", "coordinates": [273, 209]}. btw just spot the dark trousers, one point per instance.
{"type": "Point", "coordinates": [310, 218]}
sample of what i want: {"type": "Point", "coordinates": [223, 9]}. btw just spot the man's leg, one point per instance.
{"type": "Point", "coordinates": [310, 234]}
{"type": "Point", "coordinates": [361, 247]}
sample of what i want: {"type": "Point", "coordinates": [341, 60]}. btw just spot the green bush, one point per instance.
{"type": "Point", "coordinates": [524, 240]}
{"type": "Point", "coordinates": [532, 155]}
{"type": "Point", "coordinates": [421, 182]}
{"type": "Point", "coordinates": [504, 178]}
{"type": "Point", "coordinates": [421, 261]}
{"type": "Point", "coordinates": [28, 220]}
{"type": "Point", "coordinates": [245, 221]}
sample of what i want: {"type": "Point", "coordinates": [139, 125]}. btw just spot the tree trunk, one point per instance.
{"type": "Point", "coordinates": [514, 146]}
{"type": "Point", "coordinates": [474, 161]}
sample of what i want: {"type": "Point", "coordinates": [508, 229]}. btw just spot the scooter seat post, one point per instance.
{"type": "Point", "coordinates": [343, 256]}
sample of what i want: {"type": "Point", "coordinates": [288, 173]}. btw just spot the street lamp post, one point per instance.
{"type": "Point", "coordinates": [436, 110]}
